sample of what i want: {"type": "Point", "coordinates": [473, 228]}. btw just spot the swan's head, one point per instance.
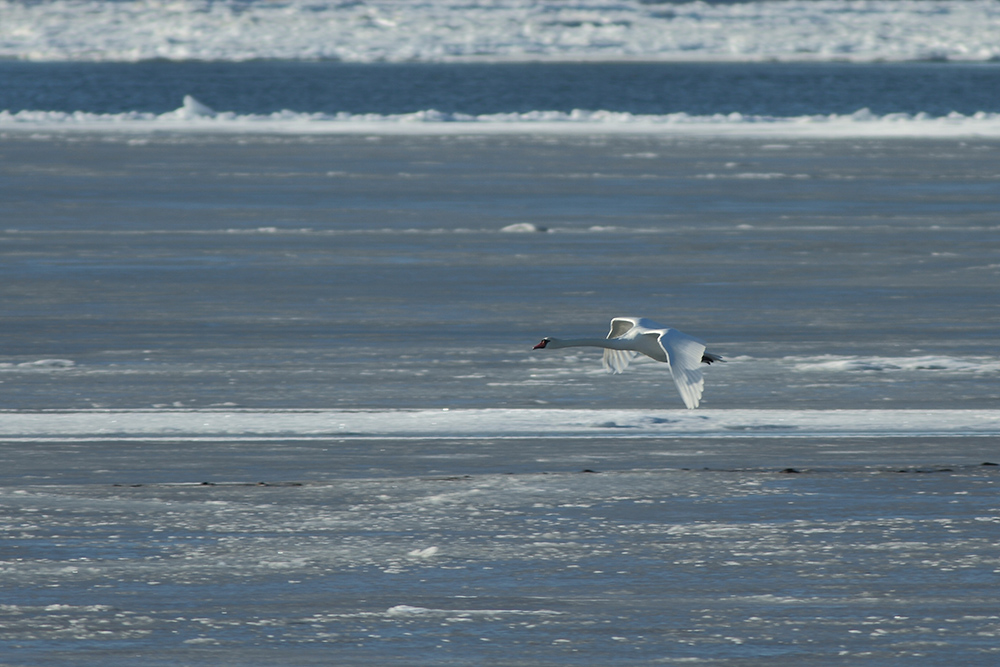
{"type": "Point", "coordinates": [541, 345]}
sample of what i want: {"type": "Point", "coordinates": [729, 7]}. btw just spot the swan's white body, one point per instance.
{"type": "Point", "coordinates": [629, 336]}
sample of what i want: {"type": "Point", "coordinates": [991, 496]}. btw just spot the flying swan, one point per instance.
{"type": "Point", "coordinates": [629, 336]}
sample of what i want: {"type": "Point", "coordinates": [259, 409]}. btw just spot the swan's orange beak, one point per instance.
{"type": "Point", "coordinates": [541, 345]}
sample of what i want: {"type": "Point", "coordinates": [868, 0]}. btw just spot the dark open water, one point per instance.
{"type": "Point", "coordinates": [698, 89]}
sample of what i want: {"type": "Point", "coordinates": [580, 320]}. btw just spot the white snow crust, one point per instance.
{"type": "Point", "coordinates": [194, 116]}
{"type": "Point", "coordinates": [215, 424]}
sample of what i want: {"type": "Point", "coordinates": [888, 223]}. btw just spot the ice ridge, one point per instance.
{"type": "Point", "coordinates": [197, 116]}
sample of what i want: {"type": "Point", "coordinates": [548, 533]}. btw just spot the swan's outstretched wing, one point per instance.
{"type": "Point", "coordinates": [616, 361]}
{"type": "Point", "coordinates": [684, 356]}
{"type": "Point", "coordinates": [622, 325]}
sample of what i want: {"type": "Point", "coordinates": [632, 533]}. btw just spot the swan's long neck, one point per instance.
{"type": "Point", "coordinates": [607, 343]}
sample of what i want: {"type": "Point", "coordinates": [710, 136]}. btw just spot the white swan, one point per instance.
{"type": "Point", "coordinates": [629, 336]}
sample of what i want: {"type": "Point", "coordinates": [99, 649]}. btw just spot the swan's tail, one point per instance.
{"type": "Point", "coordinates": [708, 358]}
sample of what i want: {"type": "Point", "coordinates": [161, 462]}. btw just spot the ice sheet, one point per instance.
{"type": "Point", "coordinates": [442, 30]}
{"type": "Point", "coordinates": [700, 566]}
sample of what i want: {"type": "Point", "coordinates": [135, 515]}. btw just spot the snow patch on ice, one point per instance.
{"type": "Point", "coordinates": [834, 363]}
{"type": "Point", "coordinates": [408, 610]}
{"type": "Point", "coordinates": [39, 365]}
{"type": "Point", "coordinates": [423, 554]}
{"type": "Point", "coordinates": [523, 227]}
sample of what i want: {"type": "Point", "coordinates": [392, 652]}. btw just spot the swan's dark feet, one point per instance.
{"type": "Point", "coordinates": [708, 358]}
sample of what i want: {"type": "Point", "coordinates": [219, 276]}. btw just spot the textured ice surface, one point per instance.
{"type": "Point", "coordinates": [391, 30]}
{"type": "Point", "coordinates": [339, 273]}
{"type": "Point", "coordinates": [189, 320]}
{"type": "Point", "coordinates": [519, 569]}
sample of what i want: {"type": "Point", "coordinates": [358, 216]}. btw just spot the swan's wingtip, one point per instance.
{"type": "Point", "coordinates": [708, 358]}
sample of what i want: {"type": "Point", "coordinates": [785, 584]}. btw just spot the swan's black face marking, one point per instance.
{"type": "Point", "coordinates": [541, 346]}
